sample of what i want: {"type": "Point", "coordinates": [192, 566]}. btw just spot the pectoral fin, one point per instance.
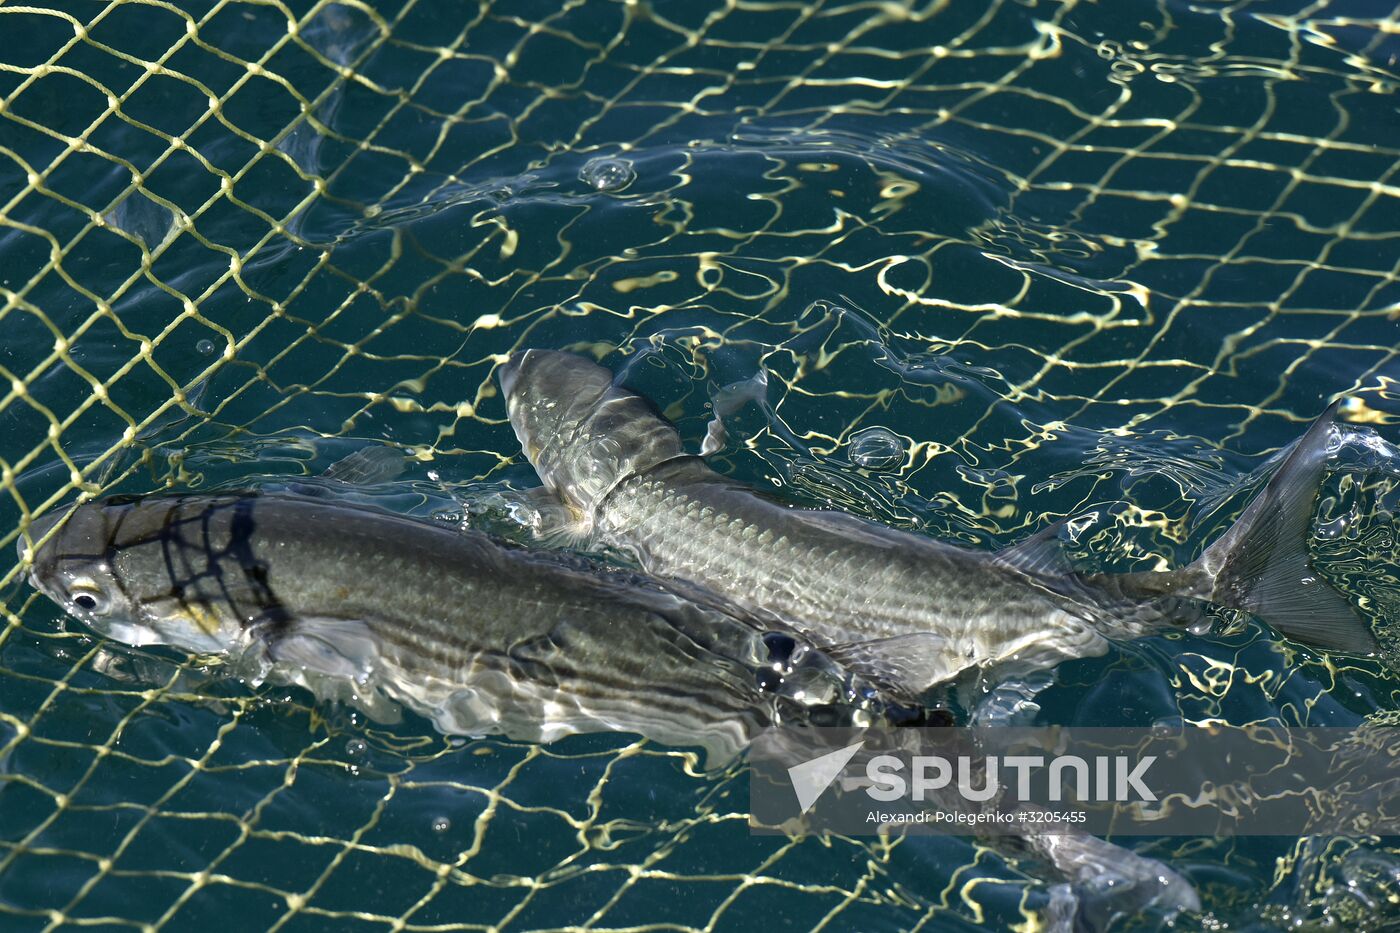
{"type": "Point", "coordinates": [336, 659]}
{"type": "Point", "coordinates": [913, 663]}
{"type": "Point", "coordinates": [726, 402]}
{"type": "Point", "coordinates": [337, 647]}
{"type": "Point", "coordinates": [367, 466]}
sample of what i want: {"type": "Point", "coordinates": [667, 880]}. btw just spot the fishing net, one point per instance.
{"type": "Point", "coordinates": [1058, 257]}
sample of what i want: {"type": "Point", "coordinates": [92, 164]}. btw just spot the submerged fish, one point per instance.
{"type": "Point", "coordinates": [378, 609]}
{"type": "Point", "coordinates": [922, 611]}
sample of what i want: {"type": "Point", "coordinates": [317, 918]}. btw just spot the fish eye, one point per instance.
{"type": "Point", "coordinates": [826, 716]}
{"type": "Point", "coordinates": [88, 598]}
{"type": "Point", "coordinates": [780, 648]}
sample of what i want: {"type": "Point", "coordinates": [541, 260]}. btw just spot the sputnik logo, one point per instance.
{"type": "Point", "coordinates": [811, 778]}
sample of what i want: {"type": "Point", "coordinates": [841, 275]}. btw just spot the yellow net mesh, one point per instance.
{"type": "Point", "coordinates": [236, 234]}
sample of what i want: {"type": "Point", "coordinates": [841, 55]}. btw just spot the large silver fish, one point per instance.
{"type": "Point", "coordinates": [379, 609]}
{"type": "Point", "coordinates": [923, 610]}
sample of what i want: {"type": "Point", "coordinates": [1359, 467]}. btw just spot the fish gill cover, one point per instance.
{"type": "Point", "coordinates": [1049, 259]}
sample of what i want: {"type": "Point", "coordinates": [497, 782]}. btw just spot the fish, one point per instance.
{"type": "Point", "coordinates": [915, 610]}
{"type": "Point", "coordinates": [384, 611]}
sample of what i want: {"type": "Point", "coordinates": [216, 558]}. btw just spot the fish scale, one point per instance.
{"type": "Point", "coordinates": [806, 577]}
{"type": "Point", "coordinates": [928, 609]}
{"type": "Point", "coordinates": [377, 609]}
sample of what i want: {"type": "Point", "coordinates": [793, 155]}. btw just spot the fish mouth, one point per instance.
{"type": "Point", "coordinates": [509, 371]}
{"type": "Point", "coordinates": [128, 633]}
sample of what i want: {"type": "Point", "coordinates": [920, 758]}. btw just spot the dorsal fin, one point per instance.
{"type": "Point", "coordinates": [1040, 555]}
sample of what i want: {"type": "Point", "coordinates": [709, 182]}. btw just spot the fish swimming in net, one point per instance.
{"type": "Point", "coordinates": [377, 610]}
{"type": "Point", "coordinates": [918, 610]}
{"type": "Point", "coordinates": [380, 610]}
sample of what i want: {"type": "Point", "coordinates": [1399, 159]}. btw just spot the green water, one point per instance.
{"type": "Point", "coordinates": [1080, 258]}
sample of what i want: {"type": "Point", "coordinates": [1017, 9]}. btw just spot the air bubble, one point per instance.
{"type": "Point", "coordinates": [876, 449]}
{"type": "Point", "coordinates": [205, 347]}
{"type": "Point", "coordinates": [1202, 627]}
{"type": "Point", "coordinates": [606, 174]}
{"type": "Point", "coordinates": [355, 748]}
{"type": "Point", "coordinates": [441, 824]}
{"type": "Point", "coordinates": [1167, 726]}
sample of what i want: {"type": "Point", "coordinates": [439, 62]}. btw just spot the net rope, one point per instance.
{"type": "Point", "coordinates": [242, 236]}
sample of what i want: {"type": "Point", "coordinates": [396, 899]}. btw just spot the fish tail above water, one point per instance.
{"type": "Point", "coordinates": [1261, 564]}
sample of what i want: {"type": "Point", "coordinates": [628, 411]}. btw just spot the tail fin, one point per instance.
{"type": "Point", "coordinates": [1261, 564]}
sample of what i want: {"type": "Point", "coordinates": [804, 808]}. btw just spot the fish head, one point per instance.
{"type": "Point", "coordinates": [125, 569]}
{"type": "Point", "coordinates": [582, 433]}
